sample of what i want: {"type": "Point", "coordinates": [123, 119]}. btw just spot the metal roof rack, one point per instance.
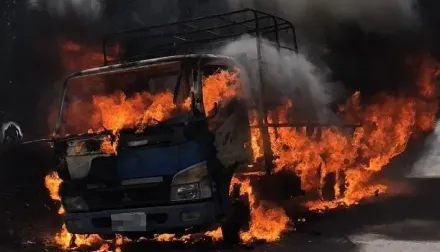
{"type": "Point", "coordinates": [207, 32]}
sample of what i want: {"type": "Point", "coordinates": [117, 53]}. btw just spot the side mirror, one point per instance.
{"type": "Point", "coordinates": [10, 134]}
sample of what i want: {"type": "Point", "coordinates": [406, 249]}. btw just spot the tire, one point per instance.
{"type": "Point", "coordinates": [236, 220]}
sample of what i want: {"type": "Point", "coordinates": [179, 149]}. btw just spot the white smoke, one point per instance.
{"type": "Point", "coordinates": [89, 10]}
{"type": "Point", "coordinates": [290, 73]}
{"type": "Point", "coordinates": [370, 15]}
{"type": "Point", "coordinates": [429, 164]}
{"type": "Point", "coordinates": [303, 76]}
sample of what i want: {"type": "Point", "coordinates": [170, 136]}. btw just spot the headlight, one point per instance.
{"type": "Point", "coordinates": [191, 184]}
{"type": "Point", "coordinates": [75, 204]}
{"type": "Point", "coordinates": [185, 192]}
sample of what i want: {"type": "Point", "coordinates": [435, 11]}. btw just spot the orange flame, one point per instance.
{"type": "Point", "coordinates": [387, 126]}
{"type": "Point", "coordinates": [171, 237]}
{"type": "Point", "coordinates": [64, 239]}
{"type": "Point", "coordinates": [351, 157]}
{"type": "Point", "coordinates": [220, 87]}
{"type": "Point", "coordinates": [52, 182]}
{"type": "Point", "coordinates": [109, 147]}
{"type": "Point", "coordinates": [117, 111]}
{"type": "Point", "coordinates": [267, 222]}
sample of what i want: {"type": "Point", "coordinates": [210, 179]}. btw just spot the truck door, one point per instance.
{"type": "Point", "coordinates": [228, 129]}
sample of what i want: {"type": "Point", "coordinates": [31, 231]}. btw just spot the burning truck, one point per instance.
{"type": "Point", "coordinates": [159, 138]}
{"type": "Point", "coordinates": [150, 142]}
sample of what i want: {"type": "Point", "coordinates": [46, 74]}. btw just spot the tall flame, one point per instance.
{"type": "Point", "coordinates": [267, 222]}
{"type": "Point", "coordinates": [52, 182]}
{"type": "Point", "coordinates": [64, 239]}
{"type": "Point", "coordinates": [386, 127]}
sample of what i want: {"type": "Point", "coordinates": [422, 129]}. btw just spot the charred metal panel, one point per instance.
{"type": "Point", "coordinates": [79, 166]}
{"type": "Point", "coordinates": [230, 141]}
{"type": "Point", "coordinates": [232, 135]}
{"type": "Point", "coordinates": [79, 154]}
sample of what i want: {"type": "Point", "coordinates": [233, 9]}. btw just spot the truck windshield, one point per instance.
{"type": "Point", "coordinates": [134, 99]}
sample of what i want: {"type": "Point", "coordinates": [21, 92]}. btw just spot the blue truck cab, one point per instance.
{"type": "Point", "coordinates": [170, 177]}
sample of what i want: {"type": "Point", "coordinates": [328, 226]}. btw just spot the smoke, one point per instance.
{"type": "Point", "coordinates": [371, 16]}
{"type": "Point", "coordinates": [361, 44]}
{"type": "Point", "coordinates": [90, 10]}
{"type": "Point", "coordinates": [345, 34]}
{"type": "Point", "coordinates": [428, 164]}
{"type": "Point", "coordinates": [290, 74]}
{"type": "Point", "coordinates": [311, 17]}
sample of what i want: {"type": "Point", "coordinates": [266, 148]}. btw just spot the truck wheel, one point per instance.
{"type": "Point", "coordinates": [236, 220]}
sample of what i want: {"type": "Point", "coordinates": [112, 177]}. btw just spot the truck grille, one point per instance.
{"type": "Point", "coordinates": [128, 196]}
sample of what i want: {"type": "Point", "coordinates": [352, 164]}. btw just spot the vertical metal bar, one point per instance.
{"type": "Point", "coordinates": [277, 34]}
{"type": "Point", "coordinates": [277, 40]}
{"type": "Point", "coordinates": [198, 89]}
{"type": "Point", "coordinates": [104, 53]}
{"type": "Point", "coordinates": [276, 115]}
{"type": "Point", "coordinates": [261, 114]}
{"type": "Point", "coordinates": [319, 133]}
{"type": "Point", "coordinates": [294, 38]}
{"type": "Point", "coordinates": [60, 112]}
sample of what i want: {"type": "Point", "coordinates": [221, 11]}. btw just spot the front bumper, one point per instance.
{"type": "Point", "coordinates": [160, 219]}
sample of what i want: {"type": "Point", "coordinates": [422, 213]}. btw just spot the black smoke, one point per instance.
{"type": "Point", "coordinates": [360, 55]}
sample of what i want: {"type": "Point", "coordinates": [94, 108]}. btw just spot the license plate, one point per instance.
{"type": "Point", "coordinates": [129, 222]}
